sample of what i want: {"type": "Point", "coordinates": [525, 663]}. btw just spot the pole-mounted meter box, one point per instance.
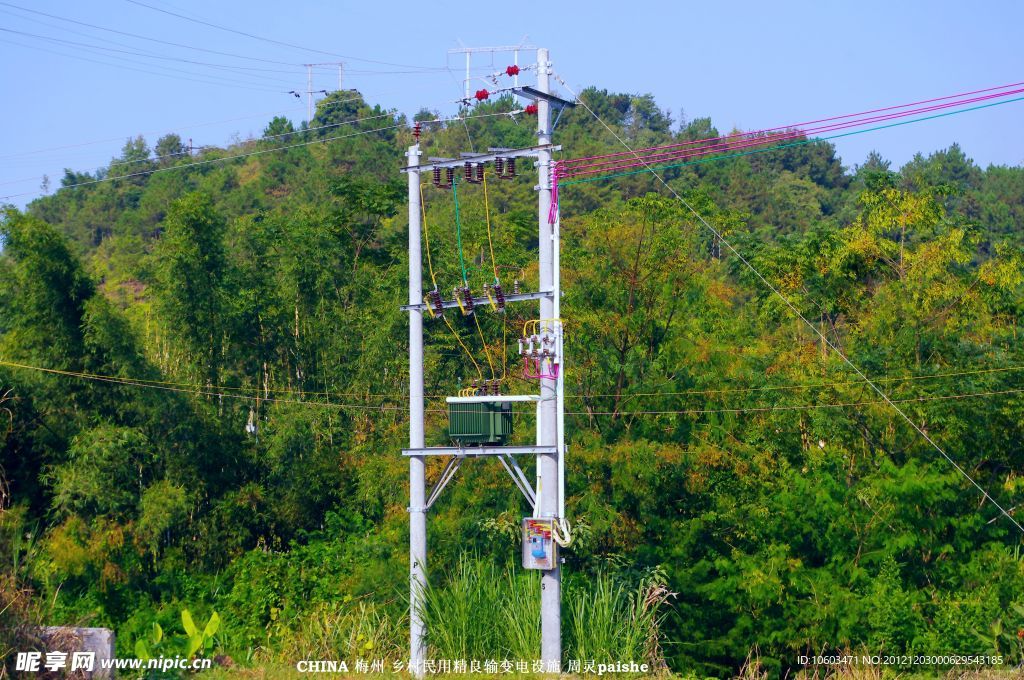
{"type": "Point", "coordinates": [539, 548]}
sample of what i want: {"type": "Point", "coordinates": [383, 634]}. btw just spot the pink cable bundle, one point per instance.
{"type": "Point", "coordinates": [553, 209]}
{"type": "Point", "coordinates": [539, 368]}
{"type": "Point", "coordinates": [608, 163]}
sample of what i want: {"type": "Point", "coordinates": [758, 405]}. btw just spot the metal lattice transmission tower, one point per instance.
{"type": "Point", "coordinates": [523, 46]}
{"type": "Point", "coordinates": [547, 497]}
{"type": "Point", "coordinates": [309, 85]}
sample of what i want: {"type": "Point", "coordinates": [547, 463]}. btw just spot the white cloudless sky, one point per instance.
{"type": "Point", "coordinates": [747, 65]}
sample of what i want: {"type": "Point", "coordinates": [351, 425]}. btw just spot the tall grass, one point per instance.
{"type": "Point", "coordinates": [485, 612]}
{"type": "Point", "coordinates": [347, 630]}
{"type": "Point", "coordinates": [19, 616]}
{"type": "Point", "coordinates": [613, 620]}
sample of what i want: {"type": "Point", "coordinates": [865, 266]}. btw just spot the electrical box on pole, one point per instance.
{"type": "Point", "coordinates": [539, 548]}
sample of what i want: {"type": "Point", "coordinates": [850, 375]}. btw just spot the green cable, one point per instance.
{"type": "Point", "coordinates": [781, 146]}
{"type": "Point", "coordinates": [458, 231]}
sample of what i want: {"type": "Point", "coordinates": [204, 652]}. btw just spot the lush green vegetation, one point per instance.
{"type": "Point", "coordinates": [242, 456]}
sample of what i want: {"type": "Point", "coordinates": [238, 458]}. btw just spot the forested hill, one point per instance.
{"type": "Point", "coordinates": [204, 370]}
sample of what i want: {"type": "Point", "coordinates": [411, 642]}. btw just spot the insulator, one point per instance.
{"type": "Point", "coordinates": [499, 166]}
{"type": "Point", "coordinates": [449, 174]}
{"type": "Point", "coordinates": [416, 129]}
{"type": "Point", "coordinates": [437, 177]}
{"type": "Point", "coordinates": [479, 173]}
{"type": "Point", "coordinates": [515, 287]}
{"type": "Point", "coordinates": [467, 299]}
{"type": "Point", "coordinates": [499, 296]}
{"type": "Point", "coordinates": [512, 70]}
{"type": "Point", "coordinates": [467, 171]}
{"type": "Point", "coordinates": [510, 169]}
{"type": "Point", "coordinates": [435, 299]}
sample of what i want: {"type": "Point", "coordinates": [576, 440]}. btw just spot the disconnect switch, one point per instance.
{"type": "Point", "coordinates": [539, 548]}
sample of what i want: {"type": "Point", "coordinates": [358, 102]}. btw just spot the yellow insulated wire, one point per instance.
{"type": "Point", "coordinates": [487, 352]}
{"type": "Point", "coordinates": [426, 238]}
{"type": "Point", "coordinates": [433, 279]}
{"type": "Point", "coordinates": [479, 373]}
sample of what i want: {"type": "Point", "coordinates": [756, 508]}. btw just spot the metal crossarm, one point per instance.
{"type": "Point", "coordinates": [480, 302]}
{"type": "Point", "coordinates": [480, 451]}
{"type": "Point", "coordinates": [534, 93]}
{"type": "Point", "coordinates": [531, 151]}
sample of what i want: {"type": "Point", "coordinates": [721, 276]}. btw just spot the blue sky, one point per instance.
{"type": "Point", "coordinates": [746, 65]}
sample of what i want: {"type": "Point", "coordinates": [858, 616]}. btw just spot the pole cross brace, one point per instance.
{"type": "Point", "coordinates": [446, 476]}
{"type": "Point", "coordinates": [519, 478]}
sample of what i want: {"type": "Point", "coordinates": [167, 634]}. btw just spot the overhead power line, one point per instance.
{"type": "Point", "coordinates": [765, 149]}
{"type": "Point", "coordinates": [262, 151]}
{"type": "Point", "coordinates": [145, 37]}
{"type": "Point", "coordinates": [146, 71]}
{"type": "Point", "coordinates": [280, 42]}
{"type": "Point", "coordinates": [805, 386]}
{"type": "Point", "coordinates": [627, 395]}
{"type": "Point", "coordinates": [295, 69]}
{"type": "Point", "coordinates": [614, 164]}
{"type": "Point", "coordinates": [201, 391]}
{"type": "Point", "coordinates": [153, 159]}
{"type": "Point", "coordinates": [797, 407]}
{"type": "Point", "coordinates": [842, 355]}
{"type": "Point", "coordinates": [664, 147]}
{"type": "Point", "coordinates": [248, 394]}
{"type": "Point", "coordinates": [149, 55]}
{"type": "Point", "coordinates": [321, 106]}
{"type": "Point", "coordinates": [221, 72]}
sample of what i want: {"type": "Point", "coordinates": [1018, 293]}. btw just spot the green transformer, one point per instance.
{"type": "Point", "coordinates": [480, 422]}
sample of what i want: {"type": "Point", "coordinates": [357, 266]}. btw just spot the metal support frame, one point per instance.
{"type": "Point", "coordinates": [447, 474]}
{"type": "Point", "coordinates": [508, 462]}
{"type": "Point", "coordinates": [519, 479]}
{"type": "Point", "coordinates": [535, 94]}
{"type": "Point", "coordinates": [470, 51]}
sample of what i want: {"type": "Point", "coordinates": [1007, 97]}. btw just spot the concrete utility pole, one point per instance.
{"type": "Point", "coordinates": [547, 464]}
{"type": "Point", "coordinates": [417, 464]}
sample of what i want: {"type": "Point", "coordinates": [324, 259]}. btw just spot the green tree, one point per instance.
{"type": "Point", "coordinates": [191, 281]}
